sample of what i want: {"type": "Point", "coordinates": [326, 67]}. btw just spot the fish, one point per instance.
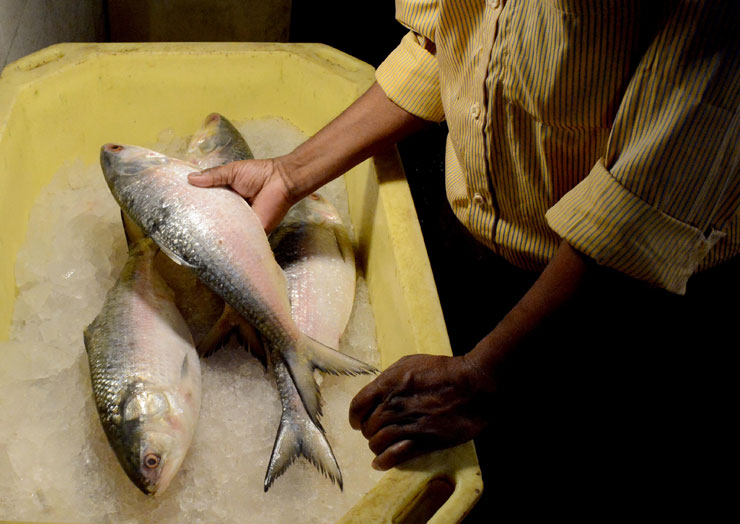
{"type": "Point", "coordinates": [145, 373]}
{"type": "Point", "coordinates": [200, 307]}
{"type": "Point", "coordinates": [216, 143]}
{"type": "Point", "coordinates": [210, 320]}
{"type": "Point", "coordinates": [313, 248]}
{"type": "Point", "coordinates": [215, 233]}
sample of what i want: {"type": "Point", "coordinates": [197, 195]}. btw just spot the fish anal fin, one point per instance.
{"type": "Point", "coordinates": [250, 338]}
{"type": "Point", "coordinates": [218, 334]}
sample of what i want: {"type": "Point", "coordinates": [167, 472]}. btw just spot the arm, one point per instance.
{"type": "Point", "coordinates": [370, 124]}
{"type": "Point", "coordinates": [424, 402]}
{"type": "Point", "coordinates": [665, 193]}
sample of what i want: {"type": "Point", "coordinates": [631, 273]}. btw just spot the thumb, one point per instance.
{"type": "Point", "coordinates": [215, 176]}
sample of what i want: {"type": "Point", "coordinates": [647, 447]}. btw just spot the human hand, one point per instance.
{"type": "Point", "coordinates": [263, 183]}
{"type": "Point", "coordinates": [419, 404]}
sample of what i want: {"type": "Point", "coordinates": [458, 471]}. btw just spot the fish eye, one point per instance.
{"type": "Point", "coordinates": [152, 460]}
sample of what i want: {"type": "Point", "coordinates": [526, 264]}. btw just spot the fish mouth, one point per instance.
{"type": "Point", "coordinates": [213, 117]}
{"type": "Point", "coordinates": [112, 148]}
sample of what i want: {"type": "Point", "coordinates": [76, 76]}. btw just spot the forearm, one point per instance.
{"type": "Point", "coordinates": [566, 274]}
{"type": "Point", "coordinates": [369, 125]}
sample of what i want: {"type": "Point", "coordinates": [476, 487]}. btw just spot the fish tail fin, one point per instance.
{"type": "Point", "coordinates": [316, 355]}
{"type": "Point", "coordinates": [301, 373]}
{"type": "Point", "coordinates": [298, 434]}
{"type": "Point", "coordinates": [333, 362]}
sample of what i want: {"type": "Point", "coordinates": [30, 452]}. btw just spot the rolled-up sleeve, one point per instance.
{"type": "Point", "coordinates": [409, 76]}
{"type": "Point", "coordinates": [669, 183]}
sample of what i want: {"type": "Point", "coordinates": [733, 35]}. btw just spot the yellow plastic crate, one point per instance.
{"type": "Point", "coordinates": [65, 101]}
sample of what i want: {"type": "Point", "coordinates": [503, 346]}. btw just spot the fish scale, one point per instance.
{"type": "Point", "coordinates": [144, 373]}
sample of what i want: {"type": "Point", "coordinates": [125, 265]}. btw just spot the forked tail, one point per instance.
{"type": "Point", "coordinates": [299, 434]}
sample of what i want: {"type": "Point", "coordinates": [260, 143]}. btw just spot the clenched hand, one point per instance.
{"type": "Point", "coordinates": [419, 404]}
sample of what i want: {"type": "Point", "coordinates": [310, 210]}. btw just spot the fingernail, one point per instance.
{"type": "Point", "coordinates": [375, 466]}
{"type": "Point", "coordinates": [193, 175]}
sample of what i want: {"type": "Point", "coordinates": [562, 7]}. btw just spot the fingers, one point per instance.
{"type": "Point", "coordinates": [213, 177]}
{"type": "Point", "coordinates": [397, 453]}
{"type": "Point", "coordinates": [391, 382]}
{"type": "Point", "coordinates": [365, 402]}
{"type": "Point", "coordinates": [270, 212]}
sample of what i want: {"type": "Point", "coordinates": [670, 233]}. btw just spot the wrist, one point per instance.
{"type": "Point", "coordinates": [292, 172]}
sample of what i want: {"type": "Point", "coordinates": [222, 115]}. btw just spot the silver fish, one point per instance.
{"type": "Point", "coordinates": [217, 142]}
{"type": "Point", "coordinates": [145, 373]}
{"type": "Point", "coordinates": [216, 234]}
{"type": "Point", "coordinates": [210, 320]}
{"type": "Point", "coordinates": [313, 248]}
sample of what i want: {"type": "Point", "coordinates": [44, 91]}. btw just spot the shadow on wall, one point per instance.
{"type": "Point", "coordinates": [29, 25]}
{"type": "Point", "coordinates": [198, 21]}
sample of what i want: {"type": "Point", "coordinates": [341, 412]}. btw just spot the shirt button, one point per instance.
{"type": "Point", "coordinates": [478, 199]}
{"type": "Point", "coordinates": [494, 3]}
{"type": "Point", "coordinates": [475, 110]}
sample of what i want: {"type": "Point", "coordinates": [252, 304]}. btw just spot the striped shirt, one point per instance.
{"type": "Point", "coordinates": [613, 125]}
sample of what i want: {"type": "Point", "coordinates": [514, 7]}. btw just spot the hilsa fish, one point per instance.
{"type": "Point", "coordinates": [145, 373]}
{"type": "Point", "coordinates": [314, 250]}
{"type": "Point", "coordinates": [215, 233]}
{"type": "Point", "coordinates": [210, 320]}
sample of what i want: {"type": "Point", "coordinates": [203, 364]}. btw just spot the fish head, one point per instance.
{"type": "Point", "coordinates": [217, 142]}
{"type": "Point", "coordinates": [315, 209]}
{"type": "Point", "coordinates": [156, 433]}
{"type": "Point", "coordinates": [124, 165]}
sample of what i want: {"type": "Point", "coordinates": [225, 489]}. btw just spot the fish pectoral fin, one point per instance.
{"type": "Point", "coordinates": [174, 256]}
{"type": "Point", "coordinates": [332, 361]}
{"type": "Point", "coordinates": [298, 435]}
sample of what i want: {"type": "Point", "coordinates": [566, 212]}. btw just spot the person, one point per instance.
{"type": "Point", "coordinates": [593, 146]}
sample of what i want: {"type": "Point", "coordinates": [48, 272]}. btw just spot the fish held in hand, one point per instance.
{"type": "Point", "coordinates": [216, 234]}
{"type": "Point", "coordinates": [145, 373]}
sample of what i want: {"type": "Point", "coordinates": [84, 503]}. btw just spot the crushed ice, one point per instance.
{"type": "Point", "coordinates": [55, 463]}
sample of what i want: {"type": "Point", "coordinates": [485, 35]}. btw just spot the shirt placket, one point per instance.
{"type": "Point", "coordinates": [480, 190]}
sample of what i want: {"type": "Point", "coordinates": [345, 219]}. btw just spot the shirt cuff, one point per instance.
{"type": "Point", "coordinates": [410, 78]}
{"type": "Point", "coordinates": [605, 221]}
